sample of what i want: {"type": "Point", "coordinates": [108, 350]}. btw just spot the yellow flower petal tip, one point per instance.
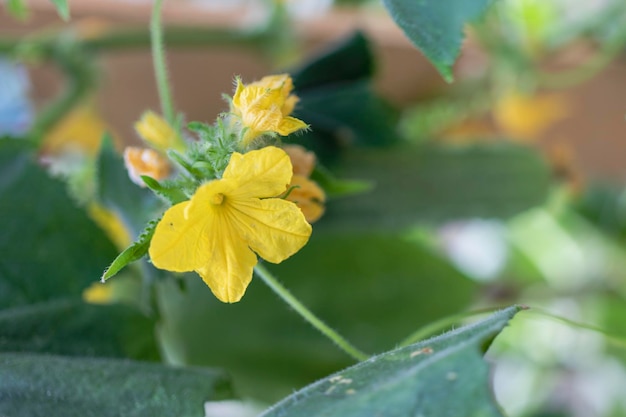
{"type": "Point", "coordinates": [218, 231]}
{"type": "Point", "coordinates": [527, 117]}
{"type": "Point", "coordinates": [158, 133]}
{"type": "Point", "coordinates": [98, 293]}
{"type": "Point", "coordinates": [265, 106]}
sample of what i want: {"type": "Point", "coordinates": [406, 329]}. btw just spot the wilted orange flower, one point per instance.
{"type": "Point", "coordinates": [145, 161]}
{"type": "Point", "coordinates": [306, 193]}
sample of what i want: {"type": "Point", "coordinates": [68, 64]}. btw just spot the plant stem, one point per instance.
{"type": "Point", "coordinates": [283, 293]}
{"type": "Point", "coordinates": [160, 67]}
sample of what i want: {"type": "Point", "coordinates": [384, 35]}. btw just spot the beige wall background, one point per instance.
{"type": "Point", "coordinates": [595, 128]}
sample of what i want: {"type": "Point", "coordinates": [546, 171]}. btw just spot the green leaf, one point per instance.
{"type": "Point", "coordinates": [349, 60]}
{"type": "Point", "coordinates": [34, 385]}
{"type": "Point", "coordinates": [172, 193]}
{"type": "Point", "coordinates": [434, 184]}
{"type": "Point", "coordinates": [62, 8]}
{"type": "Point", "coordinates": [338, 101]}
{"type": "Point", "coordinates": [132, 253]}
{"type": "Point", "coordinates": [444, 376]}
{"type": "Point", "coordinates": [74, 328]}
{"type": "Point", "coordinates": [135, 205]}
{"type": "Point", "coordinates": [436, 26]}
{"type": "Point", "coordinates": [17, 9]}
{"type": "Point", "coordinates": [335, 187]}
{"type": "Point", "coordinates": [50, 248]}
{"type": "Point", "coordinates": [374, 289]}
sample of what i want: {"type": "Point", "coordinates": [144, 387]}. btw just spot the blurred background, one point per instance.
{"type": "Point", "coordinates": [506, 186]}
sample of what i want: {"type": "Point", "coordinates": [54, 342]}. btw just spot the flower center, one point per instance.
{"type": "Point", "coordinates": [217, 199]}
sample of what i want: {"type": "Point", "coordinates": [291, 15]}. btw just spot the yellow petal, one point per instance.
{"type": "Point", "coordinates": [180, 242]}
{"type": "Point", "coordinates": [289, 125]}
{"type": "Point", "coordinates": [261, 173]}
{"type": "Point", "coordinates": [290, 104]}
{"type": "Point", "coordinates": [273, 228]}
{"type": "Point", "coordinates": [229, 269]}
{"type": "Point", "coordinates": [258, 98]}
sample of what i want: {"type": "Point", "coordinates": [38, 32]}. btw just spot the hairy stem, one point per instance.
{"type": "Point", "coordinates": [294, 303]}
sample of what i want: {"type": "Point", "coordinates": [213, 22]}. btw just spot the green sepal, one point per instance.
{"type": "Point", "coordinates": [132, 253]}
{"type": "Point", "coordinates": [172, 193]}
{"type": "Point", "coordinates": [335, 187]}
{"type": "Point", "coordinates": [62, 9]}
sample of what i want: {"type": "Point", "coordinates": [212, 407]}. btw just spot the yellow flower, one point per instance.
{"type": "Point", "coordinates": [154, 130]}
{"type": "Point", "coordinates": [80, 131]}
{"type": "Point", "coordinates": [526, 117]}
{"type": "Point", "coordinates": [98, 293]}
{"type": "Point", "coordinates": [217, 230]}
{"type": "Point", "coordinates": [111, 223]}
{"type": "Point", "coordinates": [144, 161]}
{"type": "Point", "coordinates": [264, 106]}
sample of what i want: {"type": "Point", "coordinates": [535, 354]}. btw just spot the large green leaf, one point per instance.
{"type": "Point", "coordinates": [444, 376]}
{"type": "Point", "coordinates": [349, 60]}
{"type": "Point", "coordinates": [338, 101]}
{"type": "Point", "coordinates": [436, 26]}
{"type": "Point", "coordinates": [34, 385]}
{"type": "Point", "coordinates": [72, 327]}
{"type": "Point", "coordinates": [437, 184]}
{"type": "Point", "coordinates": [374, 289]}
{"type": "Point", "coordinates": [50, 248]}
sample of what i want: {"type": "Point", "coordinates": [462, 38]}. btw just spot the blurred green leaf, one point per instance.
{"type": "Point", "coordinates": [374, 289]}
{"type": "Point", "coordinates": [348, 60]}
{"type": "Point", "coordinates": [444, 376]}
{"type": "Point", "coordinates": [74, 328]}
{"type": "Point", "coordinates": [338, 101]}
{"type": "Point", "coordinates": [437, 184]}
{"type": "Point", "coordinates": [50, 248]}
{"type": "Point", "coordinates": [436, 27]}
{"type": "Point", "coordinates": [335, 187]}
{"type": "Point", "coordinates": [17, 9]}
{"type": "Point", "coordinates": [62, 8]}
{"type": "Point", "coordinates": [135, 205]}
{"type": "Point", "coordinates": [34, 385]}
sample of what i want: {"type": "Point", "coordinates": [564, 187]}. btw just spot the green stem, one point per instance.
{"type": "Point", "coordinates": [611, 338]}
{"type": "Point", "coordinates": [160, 67]}
{"type": "Point", "coordinates": [294, 303]}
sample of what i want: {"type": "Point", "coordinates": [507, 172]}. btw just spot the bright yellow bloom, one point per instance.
{"type": "Point", "coordinates": [155, 131]}
{"type": "Point", "coordinates": [111, 224]}
{"type": "Point", "coordinates": [526, 117]}
{"type": "Point", "coordinates": [216, 232]}
{"type": "Point", "coordinates": [98, 293]}
{"type": "Point", "coordinates": [80, 131]}
{"type": "Point", "coordinates": [264, 106]}
{"type": "Point", "coordinates": [144, 161]}
{"type": "Point", "coordinates": [308, 196]}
